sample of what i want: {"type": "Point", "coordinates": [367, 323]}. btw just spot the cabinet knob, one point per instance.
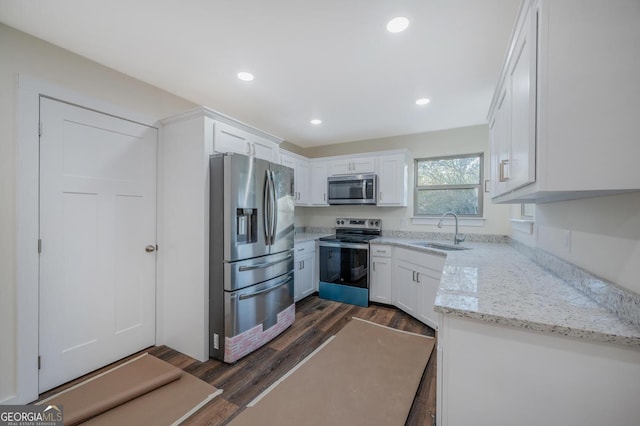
{"type": "Point", "coordinates": [150, 248]}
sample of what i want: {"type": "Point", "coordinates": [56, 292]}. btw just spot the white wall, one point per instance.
{"type": "Point", "coordinates": [465, 140]}
{"type": "Point", "coordinates": [600, 235]}
{"type": "Point", "coordinates": [27, 55]}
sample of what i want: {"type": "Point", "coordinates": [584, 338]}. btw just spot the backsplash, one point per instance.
{"type": "Point", "coordinates": [438, 236]}
{"type": "Point", "coordinates": [623, 302]}
{"type": "Point", "coordinates": [443, 236]}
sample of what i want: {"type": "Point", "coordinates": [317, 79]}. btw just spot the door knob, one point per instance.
{"type": "Point", "coordinates": [150, 248]}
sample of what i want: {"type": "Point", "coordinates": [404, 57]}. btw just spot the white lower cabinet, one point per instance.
{"type": "Point", "coordinates": [406, 286]}
{"type": "Point", "coordinates": [416, 280]}
{"type": "Point", "coordinates": [408, 279]}
{"type": "Point", "coordinates": [500, 375]}
{"type": "Point", "coordinates": [304, 275]}
{"type": "Point", "coordinates": [380, 287]}
{"type": "Point", "coordinates": [429, 281]}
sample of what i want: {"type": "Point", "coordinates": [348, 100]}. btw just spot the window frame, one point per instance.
{"type": "Point", "coordinates": [479, 186]}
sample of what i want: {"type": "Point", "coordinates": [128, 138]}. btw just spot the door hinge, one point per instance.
{"type": "Point", "coordinates": [39, 246]}
{"type": "Point", "coordinates": [39, 128]}
{"type": "Point", "coordinates": [39, 362]}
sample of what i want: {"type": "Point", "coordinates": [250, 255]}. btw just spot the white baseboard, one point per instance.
{"type": "Point", "coordinates": [12, 400]}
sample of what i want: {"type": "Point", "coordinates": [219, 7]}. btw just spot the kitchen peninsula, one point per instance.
{"type": "Point", "coordinates": [518, 344]}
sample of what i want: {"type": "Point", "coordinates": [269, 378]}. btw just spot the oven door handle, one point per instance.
{"type": "Point", "coordinates": [344, 245]}
{"type": "Point", "coordinates": [263, 265]}
{"type": "Point", "coordinates": [266, 290]}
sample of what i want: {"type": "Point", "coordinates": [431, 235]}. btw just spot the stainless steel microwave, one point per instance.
{"type": "Point", "coordinates": [352, 189]}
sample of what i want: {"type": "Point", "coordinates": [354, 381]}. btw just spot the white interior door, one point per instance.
{"type": "Point", "coordinates": [97, 216]}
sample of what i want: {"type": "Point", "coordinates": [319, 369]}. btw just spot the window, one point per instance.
{"type": "Point", "coordinates": [449, 184]}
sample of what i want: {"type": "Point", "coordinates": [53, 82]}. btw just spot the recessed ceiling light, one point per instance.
{"type": "Point", "coordinates": [397, 25]}
{"type": "Point", "coordinates": [423, 101]}
{"type": "Point", "coordinates": [245, 76]}
{"type": "Point", "coordinates": [316, 121]}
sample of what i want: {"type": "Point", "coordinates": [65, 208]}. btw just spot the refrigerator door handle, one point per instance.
{"type": "Point", "coordinates": [266, 209]}
{"type": "Point", "coordinates": [274, 209]}
{"type": "Point", "coordinates": [263, 265]}
{"type": "Point", "coordinates": [266, 290]}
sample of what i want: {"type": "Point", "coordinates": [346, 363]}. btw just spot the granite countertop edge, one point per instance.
{"type": "Point", "coordinates": [561, 330]}
{"type": "Point", "coordinates": [627, 335]}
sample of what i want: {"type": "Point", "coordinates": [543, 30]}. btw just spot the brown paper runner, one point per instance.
{"type": "Point", "coordinates": [143, 387]}
{"type": "Point", "coordinates": [367, 375]}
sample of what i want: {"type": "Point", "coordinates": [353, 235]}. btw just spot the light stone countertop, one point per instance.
{"type": "Point", "coordinates": [308, 236]}
{"type": "Point", "coordinates": [495, 283]}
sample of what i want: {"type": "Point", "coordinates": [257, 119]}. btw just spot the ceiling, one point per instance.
{"type": "Point", "coordinates": [328, 59]}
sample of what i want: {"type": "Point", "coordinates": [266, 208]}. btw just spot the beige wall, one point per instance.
{"type": "Point", "coordinates": [21, 53]}
{"type": "Point", "coordinates": [601, 235]}
{"type": "Point", "coordinates": [465, 140]}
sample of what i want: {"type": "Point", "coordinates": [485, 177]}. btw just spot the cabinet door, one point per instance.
{"type": "Point", "coordinates": [500, 131]}
{"type": "Point", "coordinates": [406, 287]}
{"type": "Point", "coordinates": [318, 184]}
{"type": "Point", "coordinates": [303, 276]}
{"type": "Point", "coordinates": [429, 281]}
{"type": "Point", "coordinates": [380, 280]}
{"type": "Point", "coordinates": [522, 81]}
{"type": "Point", "coordinates": [392, 180]}
{"type": "Point", "coordinates": [302, 182]}
{"type": "Point", "coordinates": [339, 167]}
{"type": "Point", "coordinates": [352, 166]}
{"type": "Point", "coordinates": [288, 161]}
{"type": "Point", "coordinates": [264, 149]}
{"type": "Point", "coordinates": [229, 139]}
{"type": "Point", "coordinates": [364, 165]}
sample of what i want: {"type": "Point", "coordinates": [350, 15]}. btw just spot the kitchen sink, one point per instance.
{"type": "Point", "coordinates": [439, 246]}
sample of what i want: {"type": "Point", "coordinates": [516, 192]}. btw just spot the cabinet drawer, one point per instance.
{"type": "Point", "coordinates": [303, 248]}
{"type": "Point", "coordinates": [422, 259]}
{"type": "Point", "coordinates": [380, 250]}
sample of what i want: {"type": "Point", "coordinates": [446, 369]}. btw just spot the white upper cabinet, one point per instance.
{"type": "Point", "coordinates": [311, 175]}
{"type": "Point", "coordinates": [228, 138]}
{"type": "Point", "coordinates": [563, 117]}
{"type": "Point", "coordinates": [512, 127]}
{"type": "Point", "coordinates": [265, 149]}
{"type": "Point", "coordinates": [500, 135]}
{"type": "Point", "coordinates": [300, 166]}
{"type": "Point", "coordinates": [318, 183]}
{"type": "Point", "coordinates": [522, 89]}
{"type": "Point", "coordinates": [392, 180]}
{"type": "Point", "coordinates": [351, 166]}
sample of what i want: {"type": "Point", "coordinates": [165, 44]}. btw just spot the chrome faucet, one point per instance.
{"type": "Point", "coordinates": [457, 238]}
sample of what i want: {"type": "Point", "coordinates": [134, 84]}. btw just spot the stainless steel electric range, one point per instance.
{"type": "Point", "coordinates": [344, 261]}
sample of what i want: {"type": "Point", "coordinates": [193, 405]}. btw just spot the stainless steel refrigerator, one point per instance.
{"type": "Point", "coordinates": [251, 254]}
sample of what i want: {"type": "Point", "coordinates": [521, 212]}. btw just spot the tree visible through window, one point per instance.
{"type": "Point", "coordinates": [449, 184]}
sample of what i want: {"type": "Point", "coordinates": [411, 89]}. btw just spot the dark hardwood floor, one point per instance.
{"type": "Point", "coordinates": [316, 320]}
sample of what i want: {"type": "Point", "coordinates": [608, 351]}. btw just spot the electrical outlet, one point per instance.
{"type": "Point", "coordinates": [216, 341]}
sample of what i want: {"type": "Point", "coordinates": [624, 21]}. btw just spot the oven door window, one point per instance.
{"type": "Point", "coordinates": [346, 266]}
